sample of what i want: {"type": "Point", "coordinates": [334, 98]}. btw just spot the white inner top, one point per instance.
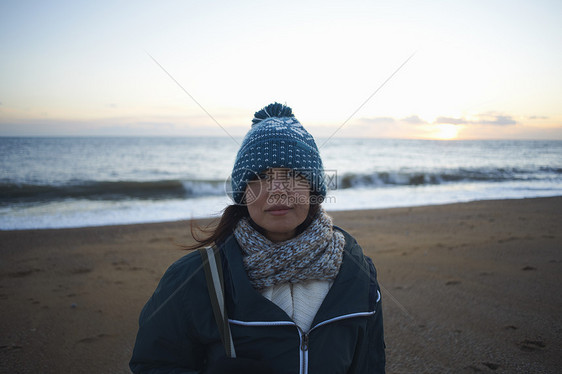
{"type": "Point", "coordinates": [300, 301]}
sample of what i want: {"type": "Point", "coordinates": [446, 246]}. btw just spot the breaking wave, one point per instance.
{"type": "Point", "coordinates": [417, 178]}
{"type": "Point", "coordinates": [110, 190]}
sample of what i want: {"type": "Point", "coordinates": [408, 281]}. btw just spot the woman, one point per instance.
{"type": "Point", "coordinates": [300, 295]}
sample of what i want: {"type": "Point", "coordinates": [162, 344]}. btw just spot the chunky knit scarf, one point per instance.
{"type": "Point", "coordinates": [315, 254]}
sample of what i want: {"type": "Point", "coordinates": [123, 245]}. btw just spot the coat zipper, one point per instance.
{"type": "Point", "coordinates": [304, 342]}
{"type": "Point", "coordinates": [304, 336]}
{"type": "Point", "coordinates": [303, 350]}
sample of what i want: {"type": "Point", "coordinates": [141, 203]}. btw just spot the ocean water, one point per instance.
{"type": "Point", "coordinates": [77, 182]}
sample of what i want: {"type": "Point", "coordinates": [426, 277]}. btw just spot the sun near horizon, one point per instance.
{"type": "Point", "coordinates": [445, 131]}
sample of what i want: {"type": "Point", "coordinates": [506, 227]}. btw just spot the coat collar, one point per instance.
{"type": "Point", "coordinates": [244, 303]}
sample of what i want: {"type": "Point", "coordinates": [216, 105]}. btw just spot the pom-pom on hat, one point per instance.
{"type": "Point", "coordinates": [277, 140]}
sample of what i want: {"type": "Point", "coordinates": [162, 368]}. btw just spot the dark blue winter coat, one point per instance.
{"type": "Point", "coordinates": [178, 332]}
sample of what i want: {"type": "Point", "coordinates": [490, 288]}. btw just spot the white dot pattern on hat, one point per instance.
{"type": "Point", "coordinates": [277, 142]}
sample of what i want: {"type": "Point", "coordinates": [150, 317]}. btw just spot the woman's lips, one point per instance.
{"type": "Point", "coordinates": [278, 210]}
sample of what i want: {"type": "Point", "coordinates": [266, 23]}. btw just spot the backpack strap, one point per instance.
{"type": "Point", "coordinates": [215, 284]}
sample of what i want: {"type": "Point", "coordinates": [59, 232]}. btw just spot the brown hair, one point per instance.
{"type": "Point", "coordinates": [218, 232]}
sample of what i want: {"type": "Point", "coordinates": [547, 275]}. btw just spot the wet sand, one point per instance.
{"type": "Point", "coordinates": [467, 288]}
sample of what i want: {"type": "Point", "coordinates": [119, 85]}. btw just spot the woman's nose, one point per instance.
{"type": "Point", "coordinates": [280, 184]}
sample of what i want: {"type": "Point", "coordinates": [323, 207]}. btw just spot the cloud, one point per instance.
{"type": "Point", "coordinates": [451, 120]}
{"type": "Point", "coordinates": [413, 120]}
{"type": "Point", "coordinates": [498, 120]}
{"type": "Point", "coordinates": [481, 119]}
{"type": "Point", "coordinates": [538, 117]}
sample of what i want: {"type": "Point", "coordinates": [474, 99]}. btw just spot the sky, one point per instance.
{"type": "Point", "coordinates": [384, 69]}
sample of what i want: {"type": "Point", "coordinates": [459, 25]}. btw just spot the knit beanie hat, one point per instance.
{"type": "Point", "coordinates": [277, 140]}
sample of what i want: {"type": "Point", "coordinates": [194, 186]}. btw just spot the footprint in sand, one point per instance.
{"type": "Point", "coordinates": [124, 265]}
{"type": "Point", "coordinates": [491, 365]}
{"type": "Point", "coordinates": [10, 347]}
{"type": "Point", "coordinates": [478, 369]}
{"type": "Point", "coordinates": [23, 273]}
{"type": "Point", "coordinates": [157, 240]}
{"type": "Point", "coordinates": [81, 270]}
{"type": "Point", "coordinates": [531, 345]}
{"type": "Point", "coordinates": [92, 339]}
{"type": "Point", "coordinates": [452, 283]}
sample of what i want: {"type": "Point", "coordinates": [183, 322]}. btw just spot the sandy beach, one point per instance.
{"type": "Point", "coordinates": [467, 288]}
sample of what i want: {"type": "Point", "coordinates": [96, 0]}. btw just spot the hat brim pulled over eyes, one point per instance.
{"type": "Point", "coordinates": [277, 140]}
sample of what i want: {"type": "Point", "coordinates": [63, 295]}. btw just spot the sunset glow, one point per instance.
{"type": "Point", "coordinates": [379, 69]}
{"type": "Point", "coordinates": [446, 132]}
